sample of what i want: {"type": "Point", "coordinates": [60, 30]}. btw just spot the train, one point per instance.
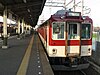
{"type": "Point", "coordinates": [67, 39]}
{"type": "Point", "coordinates": [11, 29]}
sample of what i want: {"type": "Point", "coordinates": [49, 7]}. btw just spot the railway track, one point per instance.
{"type": "Point", "coordinates": [88, 71]}
{"type": "Point", "coordinates": [78, 72]}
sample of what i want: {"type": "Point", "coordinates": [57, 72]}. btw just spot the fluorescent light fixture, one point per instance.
{"type": "Point", "coordinates": [28, 10]}
{"type": "Point", "coordinates": [25, 1]}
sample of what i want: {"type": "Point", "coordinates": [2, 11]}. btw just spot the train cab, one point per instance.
{"type": "Point", "coordinates": [67, 37]}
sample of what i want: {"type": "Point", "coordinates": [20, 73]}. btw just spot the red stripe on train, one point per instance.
{"type": "Point", "coordinates": [70, 42]}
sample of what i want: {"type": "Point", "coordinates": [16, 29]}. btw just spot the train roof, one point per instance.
{"type": "Point", "coordinates": [60, 12]}
{"type": "Point", "coordinates": [65, 15]}
{"type": "Point", "coordinates": [87, 18]}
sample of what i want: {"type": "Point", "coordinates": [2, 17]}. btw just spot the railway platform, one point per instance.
{"type": "Point", "coordinates": [24, 57]}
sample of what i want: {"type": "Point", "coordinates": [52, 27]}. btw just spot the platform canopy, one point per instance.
{"type": "Point", "coordinates": [30, 10]}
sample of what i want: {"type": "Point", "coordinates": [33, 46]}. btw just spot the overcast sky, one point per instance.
{"type": "Point", "coordinates": [94, 5]}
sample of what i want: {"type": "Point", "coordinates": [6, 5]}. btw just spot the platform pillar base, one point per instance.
{"type": "Point", "coordinates": [4, 47]}
{"type": "Point", "coordinates": [18, 38]}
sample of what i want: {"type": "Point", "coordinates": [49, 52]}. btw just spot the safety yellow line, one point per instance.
{"type": "Point", "coordinates": [23, 67]}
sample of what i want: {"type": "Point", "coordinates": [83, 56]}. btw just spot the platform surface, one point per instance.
{"type": "Point", "coordinates": [24, 57]}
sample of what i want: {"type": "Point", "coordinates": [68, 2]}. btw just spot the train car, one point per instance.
{"type": "Point", "coordinates": [67, 38]}
{"type": "Point", "coordinates": [11, 29]}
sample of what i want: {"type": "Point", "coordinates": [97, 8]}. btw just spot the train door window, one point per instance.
{"type": "Point", "coordinates": [72, 33]}
{"type": "Point", "coordinates": [86, 29]}
{"type": "Point", "coordinates": [58, 30]}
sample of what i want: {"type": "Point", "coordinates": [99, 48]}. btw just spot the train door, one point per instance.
{"type": "Point", "coordinates": [73, 39]}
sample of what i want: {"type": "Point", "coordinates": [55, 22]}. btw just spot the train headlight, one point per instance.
{"type": "Point", "coordinates": [89, 50]}
{"type": "Point", "coordinates": [54, 51]}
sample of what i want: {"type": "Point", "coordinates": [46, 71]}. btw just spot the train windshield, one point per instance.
{"type": "Point", "coordinates": [86, 29]}
{"type": "Point", "coordinates": [72, 31]}
{"type": "Point", "coordinates": [58, 30]}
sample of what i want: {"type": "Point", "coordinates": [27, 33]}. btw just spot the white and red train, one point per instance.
{"type": "Point", "coordinates": [67, 38]}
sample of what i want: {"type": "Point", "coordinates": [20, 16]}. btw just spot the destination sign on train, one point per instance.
{"type": "Point", "coordinates": [73, 14]}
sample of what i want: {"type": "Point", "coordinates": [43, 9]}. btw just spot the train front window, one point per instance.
{"type": "Point", "coordinates": [72, 31]}
{"type": "Point", "coordinates": [86, 28]}
{"type": "Point", "coordinates": [58, 30]}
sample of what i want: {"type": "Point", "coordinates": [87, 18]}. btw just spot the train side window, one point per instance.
{"type": "Point", "coordinates": [86, 28]}
{"type": "Point", "coordinates": [58, 30]}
